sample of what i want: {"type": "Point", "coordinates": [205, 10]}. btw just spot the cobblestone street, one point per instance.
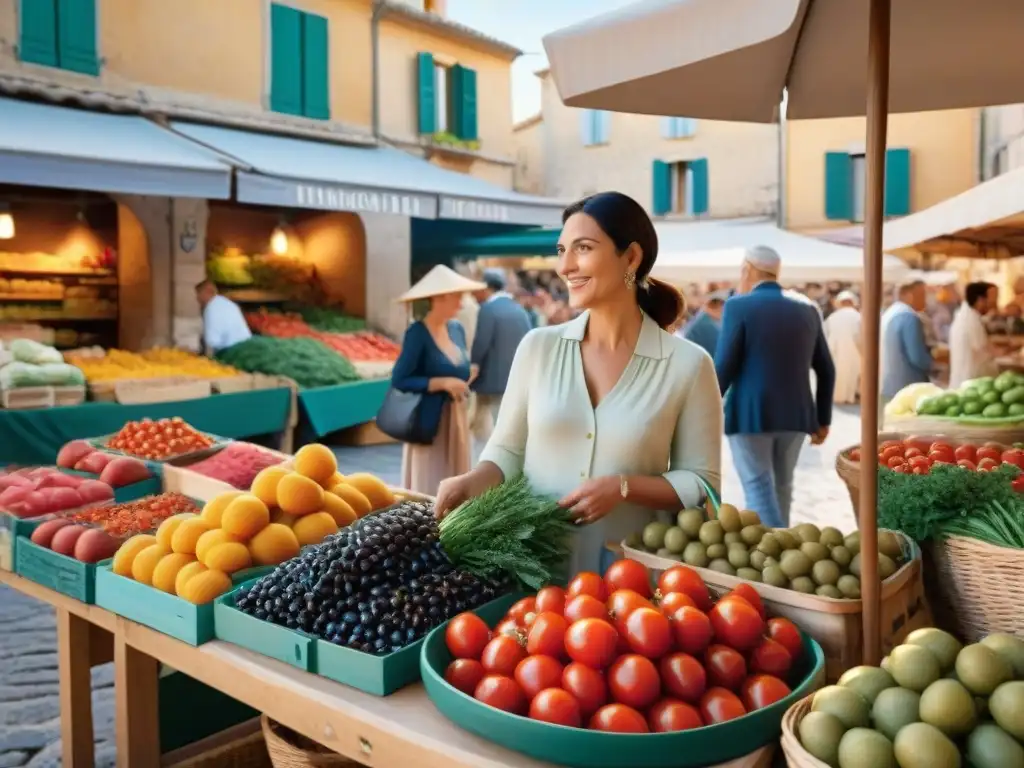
{"type": "Point", "coordinates": [29, 705]}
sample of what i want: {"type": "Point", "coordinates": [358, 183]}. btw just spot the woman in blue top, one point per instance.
{"type": "Point", "coordinates": [435, 362]}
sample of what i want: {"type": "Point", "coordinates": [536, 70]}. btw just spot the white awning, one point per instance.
{"type": "Point", "coordinates": [300, 173]}
{"type": "Point", "coordinates": [44, 145]}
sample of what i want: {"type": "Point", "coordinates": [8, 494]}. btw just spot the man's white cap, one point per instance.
{"type": "Point", "coordinates": [846, 296]}
{"type": "Point", "coordinates": [765, 259]}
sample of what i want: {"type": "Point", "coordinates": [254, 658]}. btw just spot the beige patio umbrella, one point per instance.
{"type": "Point", "coordinates": [732, 59]}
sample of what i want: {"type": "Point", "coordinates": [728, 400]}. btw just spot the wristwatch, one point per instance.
{"type": "Point", "coordinates": [624, 486]}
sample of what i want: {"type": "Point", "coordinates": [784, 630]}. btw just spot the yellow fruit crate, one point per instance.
{"type": "Point", "coordinates": [142, 391]}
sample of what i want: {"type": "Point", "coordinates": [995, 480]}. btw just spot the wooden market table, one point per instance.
{"type": "Point", "coordinates": [398, 731]}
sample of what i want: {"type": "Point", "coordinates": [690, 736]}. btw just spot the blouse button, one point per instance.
{"type": "Point", "coordinates": [590, 435]}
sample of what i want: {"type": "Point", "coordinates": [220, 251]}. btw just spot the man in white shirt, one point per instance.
{"type": "Point", "coordinates": [969, 352]}
{"type": "Point", "coordinates": [224, 324]}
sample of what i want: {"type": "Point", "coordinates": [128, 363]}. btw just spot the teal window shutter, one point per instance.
{"type": "Point", "coordinates": [454, 96]}
{"type": "Point", "coordinates": [316, 55]}
{"type": "Point", "coordinates": [76, 35]}
{"type": "Point", "coordinates": [426, 104]}
{"type": "Point", "coordinates": [286, 74]}
{"type": "Point", "coordinates": [38, 38]}
{"type": "Point", "coordinates": [661, 199]}
{"type": "Point", "coordinates": [588, 127]}
{"type": "Point", "coordinates": [838, 186]}
{"type": "Point", "coordinates": [699, 178]}
{"type": "Point", "coordinates": [467, 123]}
{"type": "Point", "coordinates": [897, 182]}
{"type": "Point", "coordinates": [604, 126]}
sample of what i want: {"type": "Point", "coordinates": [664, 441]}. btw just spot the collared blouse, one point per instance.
{"type": "Point", "coordinates": [663, 417]}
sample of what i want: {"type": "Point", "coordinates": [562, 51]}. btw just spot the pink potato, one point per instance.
{"type": "Point", "coordinates": [64, 540]}
{"type": "Point", "coordinates": [94, 463]}
{"type": "Point", "coordinates": [15, 481]}
{"type": "Point", "coordinates": [124, 471]}
{"type": "Point", "coordinates": [34, 505]}
{"type": "Point", "coordinates": [13, 494]}
{"type": "Point", "coordinates": [95, 545]}
{"type": "Point", "coordinates": [93, 491]}
{"type": "Point", "coordinates": [60, 480]}
{"type": "Point", "coordinates": [44, 532]}
{"type": "Point", "coordinates": [72, 453]}
{"type": "Point", "coordinates": [64, 498]}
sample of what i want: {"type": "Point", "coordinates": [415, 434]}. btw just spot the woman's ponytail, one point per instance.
{"type": "Point", "coordinates": [662, 302]}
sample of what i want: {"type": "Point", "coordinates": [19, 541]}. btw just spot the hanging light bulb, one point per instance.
{"type": "Point", "coordinates": [6, 223]}
{"type": "Point", "coordinates": [279, 241]}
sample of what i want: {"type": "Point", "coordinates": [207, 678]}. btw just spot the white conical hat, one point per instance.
{"type": "Point", "coordinates": [439, 281]}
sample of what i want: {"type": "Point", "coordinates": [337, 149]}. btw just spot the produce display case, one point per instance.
{"type": "Point", "coordinates": [55, 571]}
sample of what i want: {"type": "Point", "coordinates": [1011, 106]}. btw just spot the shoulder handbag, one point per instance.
{"type": "Point", "coordinates": [398, 417]}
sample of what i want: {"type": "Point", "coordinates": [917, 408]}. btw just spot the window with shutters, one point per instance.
{"type": "Point", "coordinates": [595, 127]}
{"type": "Point", "coordinates": [442, 99]}
{"type": "Point", "coordinates": [59, 33]}
{"type": "Point", "coordinates": [678, 127]}
{"type": "Point", "coordinates": [680, 188]}
{"type": "Point", "coordinates": [447, 101]}
{"type": "Point", "coordinates": [299, 63]}
{"type": "Point", "coordinates": [846, 184]}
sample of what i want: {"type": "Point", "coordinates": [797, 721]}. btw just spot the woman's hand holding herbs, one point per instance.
{"type": "Point", "coordinates": [593, 500]}
{"type": "Point", "coordinates": [452, 492]}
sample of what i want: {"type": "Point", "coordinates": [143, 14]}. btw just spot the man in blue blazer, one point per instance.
{"type": "Point", "coordinates": [500, 326]}
{"type": "Point", "coordinates": [768, 346]}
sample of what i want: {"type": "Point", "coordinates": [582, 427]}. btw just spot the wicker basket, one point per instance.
{"type": "Point", "coordinates": [290, 750]}
{"type": "Point", "coordinates": [849, 471]}
{"type": "Point", "coordinates": [976, 588]}
{"type": "Point", "coordinates": [796, 755]}
{"type": "Point", "coordinates": [957, 432]}
{"type": "Point", "coordinates": [249, 751]}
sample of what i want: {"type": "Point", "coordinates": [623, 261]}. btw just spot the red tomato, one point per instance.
{"type": "Point", "coordinates": [890, 444]}
{"type": "Point", "coordinates": [501, 693]}
{"type": "Point", "coordinates": [535, 673]}
{"type": "Point", "coordinates": [987, 464]}
{"type": "Point", "coordinates": [633, 680]}
{"type": "Point", "coordinates": [588, 583]}
{"type": "Point", "coordinates": [507, 627]}
{"type": "Point", "coordinates": [989, 452]}
{"type": "Point", "coordinates": [1013, 456]}
{"type": "Point", "coordinates": [628, 574]}
{"type": "Point", "coordinates": [587, 685]}
{"type": "Point", "coordinates": [547, 635]}
{"type": "Point", "coordinates": [895, 461]}
{"type": "Point", "coordinates": [937, 457]}
{"type": "Point", "coordinates": [967, 464]}
{"type": "Point", "coordinates": [466, 636]}
{"type": "Point", "coordinates": [771, 658]}
{"type": "Point", "coordinates": [553, 705]}
{"type": "Point", "coordinates": [911, 453]}
{"type": "Point", "coordinates": [682, 578]}
{"type": "Point", "coordinates": [584, 607]}
{"type": "Point", "coordinates": [501, 655]}
{"type": "Point", "coordinates": [623, 602]}
{"type": "Point", "coordinates": [683, 677]}
{"type": "Point", "coordinates": [993, 444]}
{"type": "Point", "coordinates": [760, 691]}
{"type": "Point", "coordinates": [965, 452]}
{"type": "Point", "coordinates": [854, 454]}
{"type": "Point", "coordinates": [923, 444]}
{"type": "Point", "coordinates": [888, 454]}
{"type": "Point", "coordinates": [725, 666]}
{"type": "Point", "coordinates": [591, 642]}
{"type": "Point", "coordinates": [920, 465]}
{"type": "Point", "coordinates": [521, 608]}
{"type": "Point", "coordinates": [465, 675]}
{"type": "Point", "coordinates": [648, 633]}
{"type": "Point", "coordinates": [736, 623]}
{"type": "Point", "coordinates": [618, 718]}
{"type": "Point", "coordinates": [550, 599]}
{"type": "Point", "coordinates": [748, 593]}
{"type": "Point", "coordinates": [719, 705]}
{"type": "Point", "coordinates": [692, 630]}
{"type": "Point", "coordinates": [784, 632]}
{"type": "Point", "coordinates": [671, 715]}
{"type": "Point", "coordinates": [673, 601]}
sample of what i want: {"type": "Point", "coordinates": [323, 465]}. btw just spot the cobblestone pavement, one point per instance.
{"type": "Point", "coordinates": [29, 706]}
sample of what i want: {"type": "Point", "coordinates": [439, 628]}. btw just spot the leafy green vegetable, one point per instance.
{"type": "Point", "coordinates": [309, 362]}
{"type": "Point", "coordinates": [922, 506]}
{"type": "Point", "coordinates": [331, 321]}
{"type": "Point", "coordinates": [992, 523]}
{"type": "Point", "coordinates": [509, 532]}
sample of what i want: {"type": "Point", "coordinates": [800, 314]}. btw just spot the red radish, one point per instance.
{"type": "Point", "coordinates": [64, 540]}
{"type": "Point", "coordinates": [95, 545]}
{"type": "Point", "coordinates": [94, 491]}
{"type": "Point", "coordinates": [94, 463]}
{"type": "Point", "coordinates": [44, 532]}
{"type": "Point", "coordinates": [72, 453]}
{"type": "Point", "coordinates": [124, 470]}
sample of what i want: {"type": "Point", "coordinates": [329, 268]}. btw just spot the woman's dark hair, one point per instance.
{"type": "Point", "coordinates": [625, 222]}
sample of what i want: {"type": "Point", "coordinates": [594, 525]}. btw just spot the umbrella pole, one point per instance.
{"type": "Point", "coordinates": [874, 208]}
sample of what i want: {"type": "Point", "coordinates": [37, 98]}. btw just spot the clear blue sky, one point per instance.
{"type": "Point", "coordinates": [523, 23]}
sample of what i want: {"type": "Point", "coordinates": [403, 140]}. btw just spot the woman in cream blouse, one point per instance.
{"type": "Point", "coordinates": [610, 412]}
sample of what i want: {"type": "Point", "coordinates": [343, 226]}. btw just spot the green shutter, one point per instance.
{"type": "Point", "coordinates": [425, 102]}
{"type": "Point", "coordinates": [76, 33]}
{"type": "Point", "coordinates": [897, 182]}
{"type": "Point", "coordinates": [285, 60]}
{"type": "Point", "coordinates": [38, 41]}
{"type": "Point", "coordinates": [662, 190]}
{"type": "Point", "coordinates": [316, 56]}
{"type": "Point", "coordinates": [699, 175]}
{"type": "Point", "coordinates": [838, 186]}
{"type": "Point", "coordinates": [467, 127]}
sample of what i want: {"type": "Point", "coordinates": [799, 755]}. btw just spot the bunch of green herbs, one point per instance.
{"type": "Point", "coordinates": [925, 506]}
{"type": "Point", "coordinates": [509, 532]}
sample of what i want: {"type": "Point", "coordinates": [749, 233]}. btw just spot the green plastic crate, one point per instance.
{"type": "Point", "coordinates": [581, 748]}
{"type": "Point", "coordinates": [288, 645]}
{"type": "Point", "coordinates": [55, 571]}
{"type": "Point", "coordinates": [192, 624]}
{"type": "Point", "coordinates": [13, 528]}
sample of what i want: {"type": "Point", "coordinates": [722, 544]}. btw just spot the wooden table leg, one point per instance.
{"type": "Point", "coordinates": [136, 712]}
{"type": "Point", "coordinates": [74, 663]}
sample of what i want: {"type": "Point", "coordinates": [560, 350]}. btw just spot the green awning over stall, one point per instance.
{"type": "Point", "coordinates": [524, 242]}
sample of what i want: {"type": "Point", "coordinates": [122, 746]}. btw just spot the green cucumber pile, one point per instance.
{"type": "Point", "coordinates": [1001, 397]}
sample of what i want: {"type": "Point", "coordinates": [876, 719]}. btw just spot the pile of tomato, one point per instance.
{"type": "Point", "coordinates": [917, 455]}
{"type": "Point", "coordinates": [158, 440]}
{"type": "Point", "coordinates": [139, 516]}
{"type": "Point", "coordinates": [611, 654]}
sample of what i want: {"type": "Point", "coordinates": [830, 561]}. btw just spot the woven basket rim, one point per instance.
{"type": "Point", "coordinates": [292, 755]}
{"type": "Point", "coordinates": [796, 755]}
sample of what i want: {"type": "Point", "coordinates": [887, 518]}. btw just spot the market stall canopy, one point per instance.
{"type": "Point", "coordinates": [986, 221]}
{"type": "Point", "coordinates": [731, 59]}
{"type": "Point", "coordinates": [525, 242]}
{"type": "Point", "coordinates": [43, 145]}
{"type": "Point", "coordinates": [301, 173]}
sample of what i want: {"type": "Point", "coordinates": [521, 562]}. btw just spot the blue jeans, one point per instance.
{"type": "Point", "coordinates": [766, 463]}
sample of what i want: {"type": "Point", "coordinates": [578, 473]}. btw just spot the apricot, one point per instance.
{"type": "Point", "coordinates": [215, 507]}
{"type": "Point", "coordinates": [166, 571]}
{"type": "Point", "coordinates": [317, 462]}
{"type": "Point", "coordinates": [187, 534]}
{"type": "Point", "coordinates": [373, 488]}
{"type": "Point", "coordinates": [245, 517]}
{"type": "Point", "coordinates": [211, 539]}
{"type": "Point", "coordinates": [312, 529]}
{"type": "Point", "coordinates": [165, 532]}
{"type": "Point", "coordinates": [339, 509]}
{"type": "Point", "coordinates": [273, 545]}
{"type": "Point", "coordinates": [354, 498]}
{"type": "Point", "coordinates": [299, 495]}
{"type": "Point", "coordinates": [145, 562]}
{"type": "Point", "coordinates": [264, 485]}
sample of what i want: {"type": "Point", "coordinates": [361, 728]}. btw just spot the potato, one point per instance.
{"type": "Point", "coordinates": [72, 453]}
{"type": "Point", "coordinates": [95, 545]}
{"type": "Point", "coordinates": [64, 540]}
{"type": "Point", "coordinates": [44, 532]}
{"type": "Point", "coordinates": [124, 471]}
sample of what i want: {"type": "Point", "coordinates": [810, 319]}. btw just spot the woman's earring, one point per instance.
{"type": "Point", "coordinates": [630, 279]}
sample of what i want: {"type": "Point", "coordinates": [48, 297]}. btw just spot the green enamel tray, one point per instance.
{"type": "Point", "coordinates": [581, 748]}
